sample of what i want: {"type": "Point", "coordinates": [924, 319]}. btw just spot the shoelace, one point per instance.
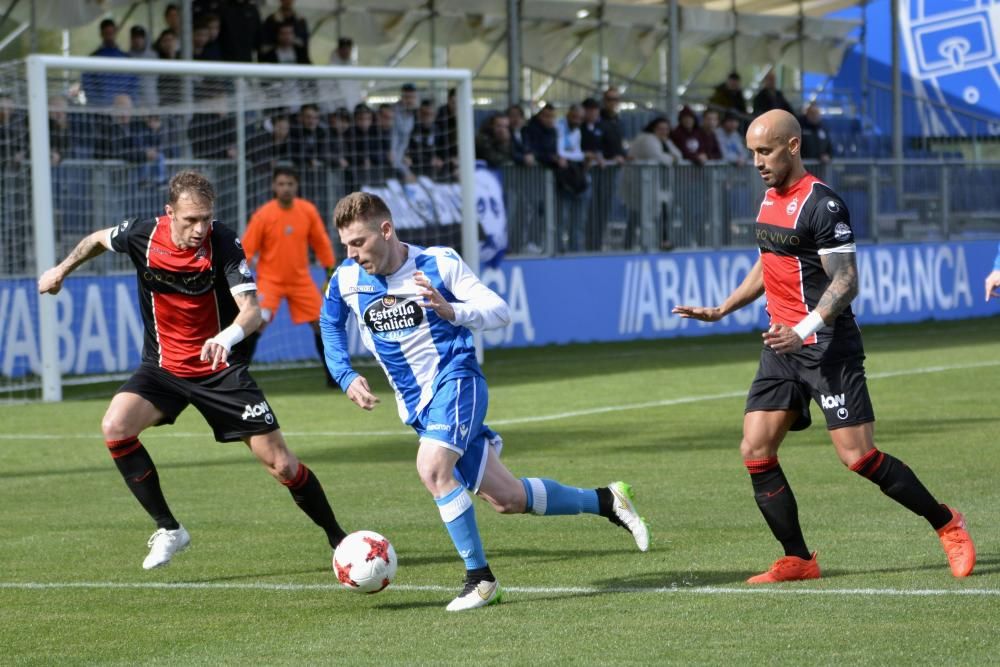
{"type": "Point", "coordinates": [152, 538]}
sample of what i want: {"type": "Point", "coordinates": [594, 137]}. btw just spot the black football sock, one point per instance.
{"type": "Point", "coordinates": [478, 574]}
{"type": "Point", "coordinates": [318, 339]}
{"type": "Point", "coordinates": [899, 483]}
{"type": "Point", "coordinates": [308, 494]}
{"type": "Point", "coordinates": [136, 466]}
{"type": "Point", "coordinates": [777, 503]}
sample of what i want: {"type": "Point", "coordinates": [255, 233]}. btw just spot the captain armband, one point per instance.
{"type": "Point", "coordinates": [809, 325]}
{"type": "Point", "coordinates": [229, 336]}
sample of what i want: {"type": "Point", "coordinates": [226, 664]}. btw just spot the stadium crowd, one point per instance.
{"type": "Point", "coordinates": [329, 126]}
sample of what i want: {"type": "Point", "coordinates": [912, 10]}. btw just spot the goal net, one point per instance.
{"type": "Point", "coordinates": [89, 142]}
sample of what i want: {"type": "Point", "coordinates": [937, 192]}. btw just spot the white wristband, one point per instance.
{"type": "Point", "coordinates": [229, 336]}
{"type": "Point", "coordinates": [809, 325]}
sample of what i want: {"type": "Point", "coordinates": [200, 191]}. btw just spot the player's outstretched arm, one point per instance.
{"type": "Point", "coordinates": [89, 247]}
{"type": "Point", "coordinates": [748, 291]}
{"type": "Point", "coordinates": [248, 320]}
{"type": "Point", "coordinates": [993, 284]}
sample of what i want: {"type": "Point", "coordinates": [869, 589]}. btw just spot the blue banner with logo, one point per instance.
{"type": "Point", "coordinates": [560, 300]}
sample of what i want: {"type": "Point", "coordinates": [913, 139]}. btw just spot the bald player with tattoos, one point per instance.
{"type": "Point", "coordinates": [812, 350]}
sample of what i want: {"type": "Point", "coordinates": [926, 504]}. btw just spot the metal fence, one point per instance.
{"type": "Point", "coordinates": [650, 208]}
{"type": "Point", "coordinates": [629, 208]}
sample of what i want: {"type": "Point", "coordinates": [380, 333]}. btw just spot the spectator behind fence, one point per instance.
{"type": "Point", "coordinates": [102, 87]}
{"type": "Point", "coordinates": [172, 18]}
{"type": "Point", "coordinates": [239, 37]}
{"type": "Point", "coordinates": [652, 145]}
{"type": "Point", "coordinates": [285, 14]}
{"type": "Point", "coordinates": [612, 141]}
{"type": "Point", "coordinates": [423, 155]}
{"type": "Point", "coordinates": [769, 96]}
{"type": "Point", "coordinates": [542, 139]}
{"type": "Point", "coordinates": [493, 141]}
{"type": "Point", "coordinates": [364, 149]}
{"type": "Point", "coordinates": [168, 86]}
{"type": "Point", "coordinates": [385, 121]}
{"type": "Point", "coordinates": [405, 117]}
{"type": "Point", "coordinates": [310, 140]}
{"type": "Point", "coordinates": [339, 122]}
{"type": "Point", "coordinates": [709, 124]}
{"type": "Point", "coordinates": [117, 133]}
{"type": "Point", "coordinates": [519, 149]}
{"type": "Point", "coordinates": [573, 180]}
{"type": "Point", "coordinates": [61, 139]}
{"type": "Point", "coordinates": [692, 140]}
{"type": "Point", "coordinates": [202, 46]}
{"type": "Point", "coordinates": [730, 138]}
{"type": "Point", "coordinates": [337, 92]}
{"type": "Point", "coordinates": [285, 50]}
{"type": "Point", "coordinates": [289, 92]}
{"type": "Point", "coordinates": [816, 144]}
{"type": "Point", "coordinates": [212, 132]}
{"type": "Point", "coordinates": [590, 131]}
{"type": "Point", "coordinates": [270, 144]}
{"type": "Point", "coordinates": [155, 146]}
{"type": "Point", "coordinates": [447, 133]}
{"type": "Point", "coordinates": [146, 95]}
{"type": "Point", "coordinates": [728, 95]}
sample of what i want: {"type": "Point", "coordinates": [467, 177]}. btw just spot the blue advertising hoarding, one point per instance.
{"type": "Point", "coordinates": [552, 301]}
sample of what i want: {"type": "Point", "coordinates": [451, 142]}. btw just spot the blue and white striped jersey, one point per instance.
{"type": "Point", "coordinates": [416, 348]}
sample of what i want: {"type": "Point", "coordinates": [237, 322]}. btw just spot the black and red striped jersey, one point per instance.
{"type": "Point", "coordinates": [794, 228]}
{"type": "Point", "coordinates": [185, 294]}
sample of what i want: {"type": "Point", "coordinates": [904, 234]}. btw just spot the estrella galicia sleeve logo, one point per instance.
{"type": "Point", "coordinates": [392, 318]}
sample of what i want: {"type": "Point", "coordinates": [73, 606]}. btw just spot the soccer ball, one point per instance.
{"type": "Point", "coordinates": [364, 562]}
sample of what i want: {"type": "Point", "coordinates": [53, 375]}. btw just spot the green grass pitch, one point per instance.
{"type": "Point", "coordinates": [256, 586]}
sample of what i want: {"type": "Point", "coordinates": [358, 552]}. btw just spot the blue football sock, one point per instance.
{"type": "Point", "coordinates": [459, 518]}
{"type": "Point", "coordinates": [550, 498]}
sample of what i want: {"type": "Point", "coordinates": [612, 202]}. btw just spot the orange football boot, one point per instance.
{"type": "Point", "coordinates": [788, 568]}
{"type": "Point", "coordinates": [958, 544]}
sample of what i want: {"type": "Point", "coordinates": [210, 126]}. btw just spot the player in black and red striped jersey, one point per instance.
{"type": "Point", "coordinates": [812, 351]}
{"type": "Point", "coordinates": [198, 303]}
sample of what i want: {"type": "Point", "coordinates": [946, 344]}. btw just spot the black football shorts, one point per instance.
{"type": "Point", "coordinates": [230, 400]}
{"type": "Point", "coordinates": [830, 372]}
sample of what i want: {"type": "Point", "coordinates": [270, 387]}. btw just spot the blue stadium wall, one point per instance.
{"type": "Point", "coordinates": [610, 298]}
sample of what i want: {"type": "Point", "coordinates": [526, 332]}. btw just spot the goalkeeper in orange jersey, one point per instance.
{"type": "Point", "coordinates": [278, 238]}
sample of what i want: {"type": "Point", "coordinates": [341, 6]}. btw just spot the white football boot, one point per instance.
{"type": "Point", "coordinates": [477, 595]}
{"type": "Point", "coordinates": [626, 516]}
{"type": "Point", "coordinates": [163, 544]}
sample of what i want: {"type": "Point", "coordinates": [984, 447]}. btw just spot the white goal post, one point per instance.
{"type": "Point", "coordinates": [42, 69]}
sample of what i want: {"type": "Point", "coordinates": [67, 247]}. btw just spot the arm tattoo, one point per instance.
{"type": "Point", "coordinates": [843, 271]}
{"type": "Point", "coordinates": [244, 299]}
{"type": "Point", "coordinates": [86, 249]}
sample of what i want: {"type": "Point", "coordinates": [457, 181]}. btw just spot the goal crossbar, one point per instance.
{"type": "Point", "coordinates": [39, 66]}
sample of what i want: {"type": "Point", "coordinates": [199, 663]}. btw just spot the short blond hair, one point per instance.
{"type": "Point", "coordinates": [360, 206]}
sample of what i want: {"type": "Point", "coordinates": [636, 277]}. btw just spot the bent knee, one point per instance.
{"type": "Point", "coordinates": [114, 426]}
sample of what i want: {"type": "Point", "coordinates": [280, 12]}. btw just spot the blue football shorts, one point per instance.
{"type": "Point", "coordinates": [454, 420]}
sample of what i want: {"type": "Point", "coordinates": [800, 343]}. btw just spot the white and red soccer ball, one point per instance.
{"type": "Point", "coordinates": [364, 562]}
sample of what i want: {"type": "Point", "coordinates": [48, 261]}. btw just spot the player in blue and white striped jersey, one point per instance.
{"type": "Point", "coordinates": [415, 308]}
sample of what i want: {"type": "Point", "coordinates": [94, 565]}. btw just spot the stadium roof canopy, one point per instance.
{"type": "Point", "coordinates": [570, 39]}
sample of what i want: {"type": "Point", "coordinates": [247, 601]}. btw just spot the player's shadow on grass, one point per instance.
{"type": "Point", "coordinates": [983, 566]}
{"type": "Point", "coordinates": [674, 579]}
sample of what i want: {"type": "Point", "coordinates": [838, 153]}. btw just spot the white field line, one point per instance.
{"type": "Point", "coordinates": [527, 590]}
{"type": "Point", "coordinates": [524, 420]}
